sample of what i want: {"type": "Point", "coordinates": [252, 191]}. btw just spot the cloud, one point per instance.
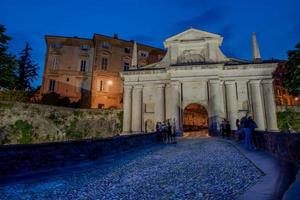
{"type": "Point", "coordinates": [209, 17]}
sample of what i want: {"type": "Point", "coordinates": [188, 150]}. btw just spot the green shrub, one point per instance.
{"type": "Point", "coordinates": [15, 95]}
{"type": "Point", "coordinates": [287, 119]}
{"type": "Point", "coordinates": [77, 113]}
{"type": "Point", "coordinates": [24, 130]}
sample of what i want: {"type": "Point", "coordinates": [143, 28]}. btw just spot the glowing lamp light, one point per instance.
{"type": "Point", "coordinates": [109, 82]}
{"type": "Point", "coordinates": [296, 99]}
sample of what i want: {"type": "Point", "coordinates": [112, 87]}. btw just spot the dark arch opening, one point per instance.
{"type": "Point", "coordinates": [195, 118]}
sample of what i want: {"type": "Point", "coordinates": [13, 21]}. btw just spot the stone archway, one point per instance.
{"type": "Point", "coordinates": [195, 119]}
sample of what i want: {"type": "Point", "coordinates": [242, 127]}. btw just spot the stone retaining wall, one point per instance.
{"type": "Point", "coordinates": [282, 145]}
{"type": "Point", "coordinates": [18, 159]}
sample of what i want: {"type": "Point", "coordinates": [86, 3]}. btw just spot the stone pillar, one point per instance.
{"type": "Point", "coordinates": [214, 104]}
{"type": "Point", "coordinates": [127, 109]}
{"type": "Point", "coordinates": [214, 89]}
{"type": "Point", "coordinates": [160, 103]}
{"type": "Point", "coordinates": [173, 102]}
{"type": "Point", "coordinates": [231, 101]}
{"type": "Point", "coordinates": [222, 110]}
{"type": "Point", "coordinates": [257, 104]}
{"type": "Point", "coordinates": [136, 120]}
{"type": "Point", "coordinates": [270, 107]}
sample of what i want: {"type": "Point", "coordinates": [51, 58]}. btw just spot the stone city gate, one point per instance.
{"type": "Point", "coordinates": [195, 70]}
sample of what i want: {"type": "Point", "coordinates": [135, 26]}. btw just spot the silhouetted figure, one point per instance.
{"type": "Point", "coordinates": [253, 126]}
{"type": "Point", "coordinates": [223, 127]}
{"type": "Point", "coordinates": [227, 128]}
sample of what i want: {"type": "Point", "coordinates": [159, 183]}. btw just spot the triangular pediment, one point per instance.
{"type": "Point", "coordinates": [192, 34]}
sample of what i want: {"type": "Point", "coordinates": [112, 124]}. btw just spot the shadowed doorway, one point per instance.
{"type": "Point", "coordinates": [195, 120]}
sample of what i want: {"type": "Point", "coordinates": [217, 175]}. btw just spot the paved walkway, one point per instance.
{"type": "Point", "coordinates": [198, 168]}
{"type": "Point", "coordinates": [275, 181]}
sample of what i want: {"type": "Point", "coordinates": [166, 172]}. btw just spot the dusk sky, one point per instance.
{"type": "Point", "coordinates": [276, 22]}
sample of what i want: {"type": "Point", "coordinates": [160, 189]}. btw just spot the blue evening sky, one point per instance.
{"type": "Point", "coordinates": [276, 22]}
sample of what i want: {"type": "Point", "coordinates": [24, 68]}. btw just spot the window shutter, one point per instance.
{"type": "Point", "coordinates": [98, 85]}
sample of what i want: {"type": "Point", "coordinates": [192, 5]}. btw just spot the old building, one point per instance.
{"type": "Point", "coordinates": [88, 69]}
{"type": "Point", "coordinates": [196, 78]}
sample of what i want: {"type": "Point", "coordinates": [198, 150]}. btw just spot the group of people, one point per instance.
{"type": "Point", "coordinates": [245, 130]}
{"type": "Point", "coordinates": [166, 132]}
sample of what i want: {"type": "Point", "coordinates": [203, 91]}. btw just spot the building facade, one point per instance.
{"type": "Point", "coordinates": [89, 69]}
{"type": "Point", "coordinates": [195, 71]}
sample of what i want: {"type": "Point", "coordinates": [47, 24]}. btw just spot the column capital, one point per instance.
{"type": "Point", "coordinates": [255, 81]}
{"type": "Point", "coordinates": [230, 82]}
{"type": "Point", "coordinates": [214, 81]}
{"type": "Point", "coordinates": [175, 83]}
{"type": "Point", "coordinates": [160, 85]}
{"type": "Point", "coordinates": [127, 86]}
{"type": "Point", "coordinates": [267, 81]}
{"type": "Point", "coordinates": [138, 87]}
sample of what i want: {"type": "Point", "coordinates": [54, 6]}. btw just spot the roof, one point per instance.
{"type": "Point", "coordinates": [104, 36]}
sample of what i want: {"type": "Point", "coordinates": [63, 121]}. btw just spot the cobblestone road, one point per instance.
{"type": "Point", "coordinates": [192, 169]}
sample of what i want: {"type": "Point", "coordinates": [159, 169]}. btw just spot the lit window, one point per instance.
{"type": "Point", "coordinates": [104, 63]}
{"type": "Point", "coordinates": [52, 85]}
{"type": "Point", "coordinates": [127, 50]}
{"type": "Point", "coordinates": [85, 47]}
{"type": "Point", "coordinates": [83, 65]}
{"type": "Point", "coordinates": [105, 45]}
{"type": "Point", "coordinates": [100, 85]}
{"type": "Point", "coordinates": [126, 66]}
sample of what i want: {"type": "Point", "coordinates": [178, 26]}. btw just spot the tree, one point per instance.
{"type": "Point", "coordinates": [26, 70]}
{"type": "Point", "coordinates": [7, 62]}
{"type": "Point", "coordinates": [291, 79]}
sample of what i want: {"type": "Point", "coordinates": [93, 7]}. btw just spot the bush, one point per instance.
{"type": "Point", "coordinates": [50, 98]}
{"type": "Point", "coordinates": [16, 95]}
{"type": "Point", "coordinates": [23, 129]}
{"type": "Point", "coordinates": [287, 120]}
{"type": "Point", "coordinates": [55, 99]}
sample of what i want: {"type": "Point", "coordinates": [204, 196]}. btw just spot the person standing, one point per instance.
{"type": "Point", "coordinates": [253, 126]}
{"type": "Point", "coordinates": [158, 131]}
{"type": "Point", "coordinates": [222, 128]}
{"type": "Point", "coordinates": [239, 131]}
{"type": "Point", "coordinates": [248, 134]}
{"type": "Point", "coordinates": [227, 128]}
{"type": "Point", "coordinates": [169, 132]}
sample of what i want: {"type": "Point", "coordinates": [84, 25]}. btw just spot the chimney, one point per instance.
{"type": "Point", "coordinates": [255, 49]}
{"type": "Point", "coordinates": [116, 36]}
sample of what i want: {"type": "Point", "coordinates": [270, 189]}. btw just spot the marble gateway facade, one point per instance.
{"type": "Point", "coordinates": [195, 70]}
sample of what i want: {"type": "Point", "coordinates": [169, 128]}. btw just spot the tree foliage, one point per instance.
{"type": "Point", "coordinates": [7, 62]}
{"type": "Point", "coordinates": [291, 79]}
{"type": "Point", "coordinates": [26, 70]}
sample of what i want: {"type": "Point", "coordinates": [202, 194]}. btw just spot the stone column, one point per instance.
{"type": "Point", "coordinates": [159, 103]}
{"type": "Point", "coordinates": [214, 89]}
{"type": "Point", "coordinates": [222, 112]}
{"type": "Point", "coordinates": [231, 101]}
{"type": "Point", "coordinates": [213, 104]}
{"type": "Point", "coordinates": [270, 107]}
{"type": "Point", "coordinates": [127, 109]}
{"type": "Point", "coordinates": [136, 120]}
{"type": "Point", "coordinates": [173, 102]}
{"type": "Point", "coordinates": [257, 104]}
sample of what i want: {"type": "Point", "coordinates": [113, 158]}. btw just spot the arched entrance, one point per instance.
{"type": "Point", "coordinates": [195, 120]}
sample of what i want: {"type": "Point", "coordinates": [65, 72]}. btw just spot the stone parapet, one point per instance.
{"type": "Point", "coordinates": [22, 159]}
